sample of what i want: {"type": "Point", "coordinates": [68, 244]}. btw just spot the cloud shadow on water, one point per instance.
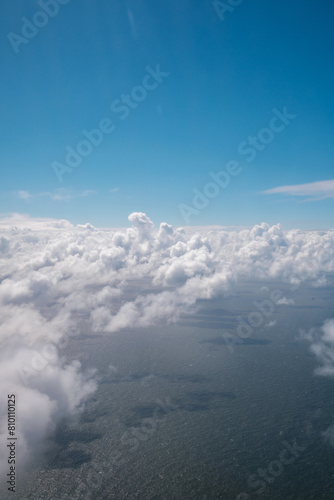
{"type": "Point", "coordinates": [69, 459]}
{"type": "Point", "coordinates": [145, 411]}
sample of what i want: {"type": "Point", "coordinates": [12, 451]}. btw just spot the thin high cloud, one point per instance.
{"type": "Point", "coordinates": [61, 194]}
{"type": "Point", "coordinates": [313, 191]}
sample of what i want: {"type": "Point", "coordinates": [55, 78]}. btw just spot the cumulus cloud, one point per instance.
{"type": "Point", "coordinates": [45, 389]}
{"type": "Point", "coordinates": [313, 190]}
{"type": "Point", "coordinates": [284, 301]}
{"type": "Point", "coordinates": [60, 280]}
{"type": "Point", "coordinates": [322, 346]}
{"type": "Point", "coordinates": [270, 324]}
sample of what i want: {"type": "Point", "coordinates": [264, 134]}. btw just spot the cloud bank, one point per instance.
{"type": "Point", "coordinates": [59, 280]}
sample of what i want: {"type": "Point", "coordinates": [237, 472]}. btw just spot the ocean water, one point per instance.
{"type": "Point", "coordinates": [180, 415]}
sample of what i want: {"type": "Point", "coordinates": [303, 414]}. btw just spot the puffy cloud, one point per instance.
{"type": "Point", "coordinates": [46, 390]}
{"type": "Point", "coordinates": [59, 280]}
{"type": "Point", "coordinates": [322, 345]}
{"type": "Point", "coordinates": [270, 324]}
{"type": "Point", "coordinates": [284, 301]}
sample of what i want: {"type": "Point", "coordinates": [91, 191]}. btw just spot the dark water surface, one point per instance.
{"type": "Point", "coordinates": [177, 415]}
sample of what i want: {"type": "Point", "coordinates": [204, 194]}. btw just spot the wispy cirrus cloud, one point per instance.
{"type": "Point", "coordinates": [23, 195]}
{"type": "Point", "coordinates": [314, 191]}
{"type": "Point", "coordinates": [60, 194]}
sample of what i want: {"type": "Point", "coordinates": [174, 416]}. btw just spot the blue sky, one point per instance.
{"type": "Point", "coordinates": [222, 80]}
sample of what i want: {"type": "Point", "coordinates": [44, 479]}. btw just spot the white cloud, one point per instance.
{"type": "Point", "coordinates": [328, 435]}
{"type": "Point", "coordinates": [87, 192]}
{"type": "Point", "coordinates": [59, 279]}
{"type": "Point", "coordinates": [284, 301]}
{"type": "Point", "coordinates": [16, 222]}
{"type": "Point", "coordinates": [322, 346]}
{"type": "Point", "coordinates": [23, 195]}
{"type": "Point", "coordinates": [270, 324]}
{"type": "Point", "coordinates": [60, 194]}
{"type": "Point", "coordinates": [313, 190]}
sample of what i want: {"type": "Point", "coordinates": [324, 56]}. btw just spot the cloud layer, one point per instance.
{"type": "Point", "coordinates": [59, 280]}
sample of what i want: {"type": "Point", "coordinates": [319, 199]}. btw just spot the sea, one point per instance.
{"type": "Point", "coordinates": [191, 411]}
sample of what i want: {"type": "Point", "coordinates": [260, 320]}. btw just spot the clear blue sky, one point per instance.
{"type": "Point", "coordinates": [225, 78]}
